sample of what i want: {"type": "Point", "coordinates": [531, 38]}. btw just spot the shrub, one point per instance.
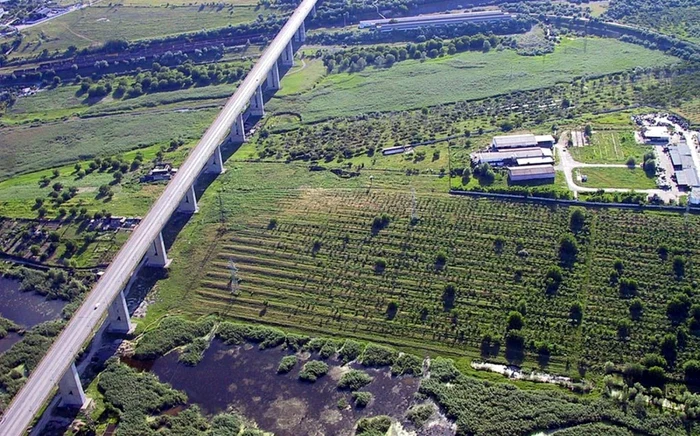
{"type": "Point", "coordinates": [286, 364]}
{"type": "Point", "coordinates": [378, 355]}
{"type": "Point", "coordinates": [515, 321]}
{"type": "Point", "coordinates": [350, 351]}
{"type": "Point", "coordinates": [628, 287]}
{"type": "Point", "coordinates": [568, 249]}
{"type": "Point", "coordinates": [407, 364]}
{"type": "Point", "coordinates": [354, 380]}
{"type": "Point", "coordinates": [377, 425]}
{"type": "Point", "coordinates": [440, 259]}
{"type": "Point", "coordinates": [392, 309]}
{"type": "Point", "coordinates": [553, 279]}
{"type": "Point", "coordinates": [679, 266]}
{"type": "Point", "coordinates": [312, 370]}
{"type": "Point", "coordinates": [266, 337]}
{"type": "Point", "coordinates": [691, 369]}
{"type": "Point", "coordinates": [362, 399]}
{"type": "Point", "coordinates": [379, 265]}
{"type": "Point", "coordinates": [448, 297]}
{"type": "Point", "coordinates": [576, 312]}
{"type": "Point", "coordinates": [577, 219]}
{"type": "Point", "coordinates": [443, 370]}
{"type": "Point", "coordinates": [419, 415]}
{"type": "Point", "coordinates": [170, 333]}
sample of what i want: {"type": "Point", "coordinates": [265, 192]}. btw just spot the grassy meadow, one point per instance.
{"type": "Point", "coordinates": [33, 147]}
{"type": "Point", "coordinates": [623, 178]}
{"type": "Point", "coordinates": [469, 75]}
{"type": "Point", "coordinates": [611, 147]}
{"type": "Point", "coordinates": [97, 24]}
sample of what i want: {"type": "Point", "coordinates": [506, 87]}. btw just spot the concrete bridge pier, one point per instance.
{"type": "Point", "coordinates": [273, 78]}
{"type": "Point", "coordinates": [156, 255]}
{"type": "Point", "coordinates": [188, 204]}
{"type": "Point", "coordinates": [257, 108]}
{"type": "Point", "coordinates": [215, 165]}
{"type": "Point", "coordinates": [72, 394]}
{"type": "Point", "coordinates": [300, 35]}
{"type": "Point", "coordinates": [118, 316]}
{"type": "Point", "coordinates": [237, 131]}
{"type": "Point", "coordinates": [288, 55]}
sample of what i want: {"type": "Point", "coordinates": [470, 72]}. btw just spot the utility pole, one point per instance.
{"type": "Point", "coordinates": [233, 281]}
{"type": "Point", "coordinates": [414, 212]}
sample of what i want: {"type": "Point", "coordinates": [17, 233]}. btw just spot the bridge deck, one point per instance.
{"type": "Point", "coordinates": [40, 385]}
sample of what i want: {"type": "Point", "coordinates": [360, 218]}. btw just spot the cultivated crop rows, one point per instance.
{"type": "Point", "coordinates": [313, 266]}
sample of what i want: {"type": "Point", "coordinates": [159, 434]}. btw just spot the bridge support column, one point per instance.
{"type": "Point", "coordinates": [215, 165]}
{"type": "Point", "coordinates": [118, 316]}
{"type": "Point", "coordinates": [313, 12]}
{"type": "Point", "coordinates": [188, 204]}
{"type": "Point", "coordinates": [300, 35]}
{"type": "Point", "coordinates": [288, 55]}
{"type": "Point", "coordinates": [156, 255]}
{"type": "Point", "coordinates": [257, 108]}
{"type": "Point", "coordinates": [72, 394]}
{"type": "Point", "coordinates": [273, 78]}
{"type": "Point", "coordinates": [237, 130]}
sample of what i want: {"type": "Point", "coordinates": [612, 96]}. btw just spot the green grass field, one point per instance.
{"type": "Point", "coordinates": [33, 147]}
{"type": "Point", "coordinates": [611, 147]}
{"type": "Point", "coordinates": [302, 77]}
{"type": "Point", "coordinates": [97, 24]}
{"type": "Point", "coordinates": [623, 178]}
{"type": "Point", "coordinates": [18, 194]}
{"type": "Point", "coordinates": [468, 75]}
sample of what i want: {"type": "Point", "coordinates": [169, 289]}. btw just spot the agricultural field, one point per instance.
{"type": "Point", "coordinates": [97, 24]}
{"type": "Point", "coordinates": [623, 178]}
{"type": "Point", "coordinates": [468, 75]}
{"type": "Point", "coordinates": [611, 147]}
{"type": "Point", "coordinates": [320, 254]}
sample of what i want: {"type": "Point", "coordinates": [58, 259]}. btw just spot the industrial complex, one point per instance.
{"type": "Point", "coordinates": [527, 157]}
{"type": "Point", "coordinates": [408, 23]}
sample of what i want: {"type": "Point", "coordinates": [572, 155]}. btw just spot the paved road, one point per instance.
{"type": "Point", "coordinates": [88, 318]}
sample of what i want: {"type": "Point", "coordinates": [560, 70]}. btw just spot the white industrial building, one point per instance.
{"type": "Point", "coordinates": [522, 141]}
{"type": "Point", "coordinates": [657, 134]}
{"type": "Point", "coordinates": [531, 172]}
{"type": "Point", "coordinates": [408, 23]}
{"type": "Point", "coordinates": [510, 157]}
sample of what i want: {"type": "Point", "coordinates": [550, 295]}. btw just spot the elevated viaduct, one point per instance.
{"type": "Point", "coordinates": [145, 245]}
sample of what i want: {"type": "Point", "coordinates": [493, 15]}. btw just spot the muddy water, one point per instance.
{"type": "Point", "coordinates": [26, 308]}
{"type": "Point", "coordinates": [246, 379]}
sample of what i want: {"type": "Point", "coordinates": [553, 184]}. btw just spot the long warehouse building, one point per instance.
{"type": "Point", "coordinates": [408, 23]}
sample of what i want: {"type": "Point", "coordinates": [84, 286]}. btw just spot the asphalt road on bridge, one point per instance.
{"type": "Point", "coordinates": [87, 319]}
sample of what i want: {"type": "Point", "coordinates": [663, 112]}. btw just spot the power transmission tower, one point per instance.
{"type": "Point", "coordinates": [233, 281]}
{"type": "Point", "coordinates": [414, 211]}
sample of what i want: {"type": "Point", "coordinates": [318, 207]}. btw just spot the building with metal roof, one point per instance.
{"type": "Point", "coordinates": [513, 141]}
{"type": "Point", "coordinates": [508, 157]}
{"type": "Point", "coordinates": [408, 23]}
{"type": "Point", "coordinates": [543, 160]}
{"type": "Point", "coordinates": [656, 134]}
{"type": "Point", "coordinates": [694, 196]}
{"type": "Point", "coordinates": [531, 172]}
{"type": "Point", "coordinates": [687, 178]}
{"type": "Point", "coordinates": [545, 141]}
